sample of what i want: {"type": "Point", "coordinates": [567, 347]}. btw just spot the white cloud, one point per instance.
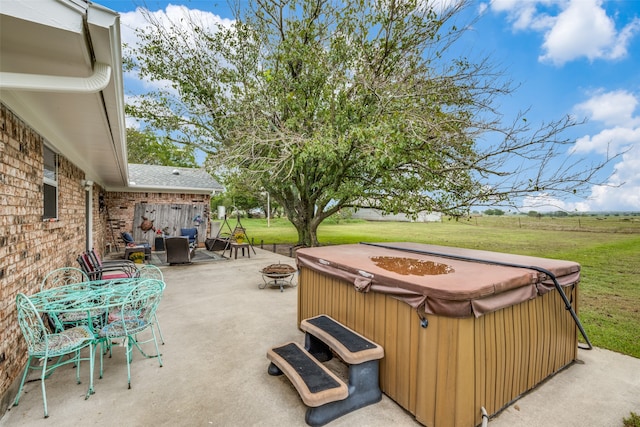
{"type": "Point", "coordinates": [623, 191]}
{"type": "Point", "coordinates": [524, 14]}
{"type": "Point", "coordinates": [579, 28]}
{"type": "Point", "coordinates": [178, 16]}
{"type": "Point", "coordinates": [543, 202]}
{"type": "Point", "coordinates": [608, 141]}
{"type": "Point", "coordinates": [614, 108]}
{"type": "Point", "coordinates": [617, 112]}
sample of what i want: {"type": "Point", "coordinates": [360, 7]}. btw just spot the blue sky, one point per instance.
{"type": "Point", "coordinates": [577, 57]}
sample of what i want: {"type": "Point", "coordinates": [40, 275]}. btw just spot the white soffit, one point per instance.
{"type": "Point", "coordinates": [61, 72]}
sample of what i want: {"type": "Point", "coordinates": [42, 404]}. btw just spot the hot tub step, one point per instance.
{"type": "Point", "coordinates": [316, 384]}
{"type": "Point", "coordinates": [352, 347]}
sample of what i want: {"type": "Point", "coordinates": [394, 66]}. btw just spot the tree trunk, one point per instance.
{"type": "Point", "coordinates": [307, 228]}
{"type": "Point", "coordinates": [307, 235]}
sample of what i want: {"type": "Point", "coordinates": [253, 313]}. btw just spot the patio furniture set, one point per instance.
{"type": "Point", "coordinates": [72, 315]}
{"type": "Point", "coordinates": [178, 249]}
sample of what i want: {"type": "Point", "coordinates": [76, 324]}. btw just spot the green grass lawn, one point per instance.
{"type": "Point", "coordinates": [608, 249]}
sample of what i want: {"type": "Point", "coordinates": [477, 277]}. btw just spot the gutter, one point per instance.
{"type": "Point", "coordinates": [61, 84]}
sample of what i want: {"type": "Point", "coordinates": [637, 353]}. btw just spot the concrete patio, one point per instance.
{"type": "Point", "coordinates": [218, 325]}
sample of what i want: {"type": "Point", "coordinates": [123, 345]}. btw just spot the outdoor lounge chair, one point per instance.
{"type": "Point", "coordinates": [178, 250]}
{"type": "Point", "coordinates": [104, 272]}
{"type": "Point", "coordinates": [129, 243]}
{"type": "Point", "coordinates": [191, 234]}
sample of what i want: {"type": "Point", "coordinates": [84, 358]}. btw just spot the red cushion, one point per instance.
{"type": "Point", "coordinates": [115, 276]}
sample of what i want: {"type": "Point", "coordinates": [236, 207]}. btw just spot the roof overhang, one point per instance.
{"type": "Point", "coordinates": [133, 188]}
{"type": "Point", "coordinates": [61, 72]}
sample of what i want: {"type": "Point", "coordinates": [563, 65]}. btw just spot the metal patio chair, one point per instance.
{"type": "Point", "coordinates": [44, 347]}
{"type": "Point", "coordinates": [134, 316]}
{"type": "Point", "coordinates": [60, 277]}
{"type": "Point", "coordinates": [63, 276]}
{"type": "Point", "coordinates": [96, 271]}
{"type": "Point", "coordinates": [150, 271]}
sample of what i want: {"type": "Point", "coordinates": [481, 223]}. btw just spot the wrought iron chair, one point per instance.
{"type": "Point", "coordinates": [134, 316]}
{"type": "Point", "coordinates": [44, 346]}
{"type": "Point", "coordinates": [63, 276]}
{"type": "Point", "coordinates": [149, 271]}
{"type": "Point", "coordinates": [60, 277]}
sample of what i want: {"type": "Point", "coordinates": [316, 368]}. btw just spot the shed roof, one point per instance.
{"type": "Point", "coordinates": [168, 178]}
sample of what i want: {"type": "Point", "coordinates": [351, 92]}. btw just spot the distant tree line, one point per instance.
{"type": "Point", "coordinates": [536, 214]}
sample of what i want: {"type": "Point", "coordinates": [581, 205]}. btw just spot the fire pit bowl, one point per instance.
{"type": "Point", "coordinates": [279, 275]}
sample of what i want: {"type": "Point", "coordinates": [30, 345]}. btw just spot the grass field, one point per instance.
{"type": "Point", "coordinates": [608, 249]}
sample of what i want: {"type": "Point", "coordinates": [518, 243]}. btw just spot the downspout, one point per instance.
{"type": "Point", "coordinates": [62, 84]}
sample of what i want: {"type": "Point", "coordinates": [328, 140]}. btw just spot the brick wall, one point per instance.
{"type": "Point", "coordinates": [29, 246]}
{"type": "Point", "coordinates": [121, 207]}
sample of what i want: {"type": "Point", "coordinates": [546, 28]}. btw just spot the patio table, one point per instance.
{"type": "Point", "coordinates": [95, 298]}
{"type": "Point", "coordinates": [85, 296]}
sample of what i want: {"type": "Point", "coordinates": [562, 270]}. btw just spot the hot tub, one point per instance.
{"type": "Point", "coordinates": [458, 334]}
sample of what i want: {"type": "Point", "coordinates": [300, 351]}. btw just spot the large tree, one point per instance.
{"type": "Point", "coordinates": [144, 147]}
{"type": "Point", "coordinates": [332, 104]}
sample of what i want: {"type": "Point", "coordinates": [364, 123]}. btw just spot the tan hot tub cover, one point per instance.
{"type": "Point", "coordinates": [470, 288]}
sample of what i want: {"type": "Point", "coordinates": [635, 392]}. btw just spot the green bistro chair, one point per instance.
{"type": "Point", "coordinates": [150, 271]}
{"type": "Point", "coordinates": [134, 316]}
{"type": "Point", "coordinates": [60, 277]}
{"type": "Point", "coordinates": [44, 346]}
{"type": "Point", "coordinates": [63, 276]}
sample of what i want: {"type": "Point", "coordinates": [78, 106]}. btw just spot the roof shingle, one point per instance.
{"type": "Point", "coordinates": [171, 177]}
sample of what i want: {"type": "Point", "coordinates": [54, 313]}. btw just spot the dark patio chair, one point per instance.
{"type": "Point", "coordinates": [191, 234]}
{"type": "Point", "coordinates": [178, 250]}
{"type": "Point", "coordinates": [129, 242]}
{"type": "Point", "coordinates": [102, 272]}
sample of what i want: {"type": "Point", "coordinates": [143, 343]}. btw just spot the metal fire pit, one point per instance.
{"type": "Point", "coordinates": [277, 275]}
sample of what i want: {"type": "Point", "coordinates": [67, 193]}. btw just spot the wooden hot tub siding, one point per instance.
{"type": "Point", "coordinates": [445, 373]}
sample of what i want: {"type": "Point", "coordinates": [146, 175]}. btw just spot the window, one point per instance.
{"type": "Point", "coordinates": [50, 181]}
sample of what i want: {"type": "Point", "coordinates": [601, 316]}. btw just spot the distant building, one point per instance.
{"type": "Point", "coordinates": [371, 214]}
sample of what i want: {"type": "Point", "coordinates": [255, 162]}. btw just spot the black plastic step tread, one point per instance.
{"type": "Point", "coordinates": [315, 383]}
{"type": "Point", "coordinates": [351, 346]}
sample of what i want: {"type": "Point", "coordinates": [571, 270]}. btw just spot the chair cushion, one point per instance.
{"type": "Point", "coordinates": [115, 276]}
{"type": "Point", "coordinates": [67, 340]}
{"type": "Point", "coordinates": [76, 316]}
{"type": "Point", "coordinates": [191, 233]}
{"type": "Point", "coordinates": [117, 328]}
{"type": "Point", "coordinates": [127, 237]}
